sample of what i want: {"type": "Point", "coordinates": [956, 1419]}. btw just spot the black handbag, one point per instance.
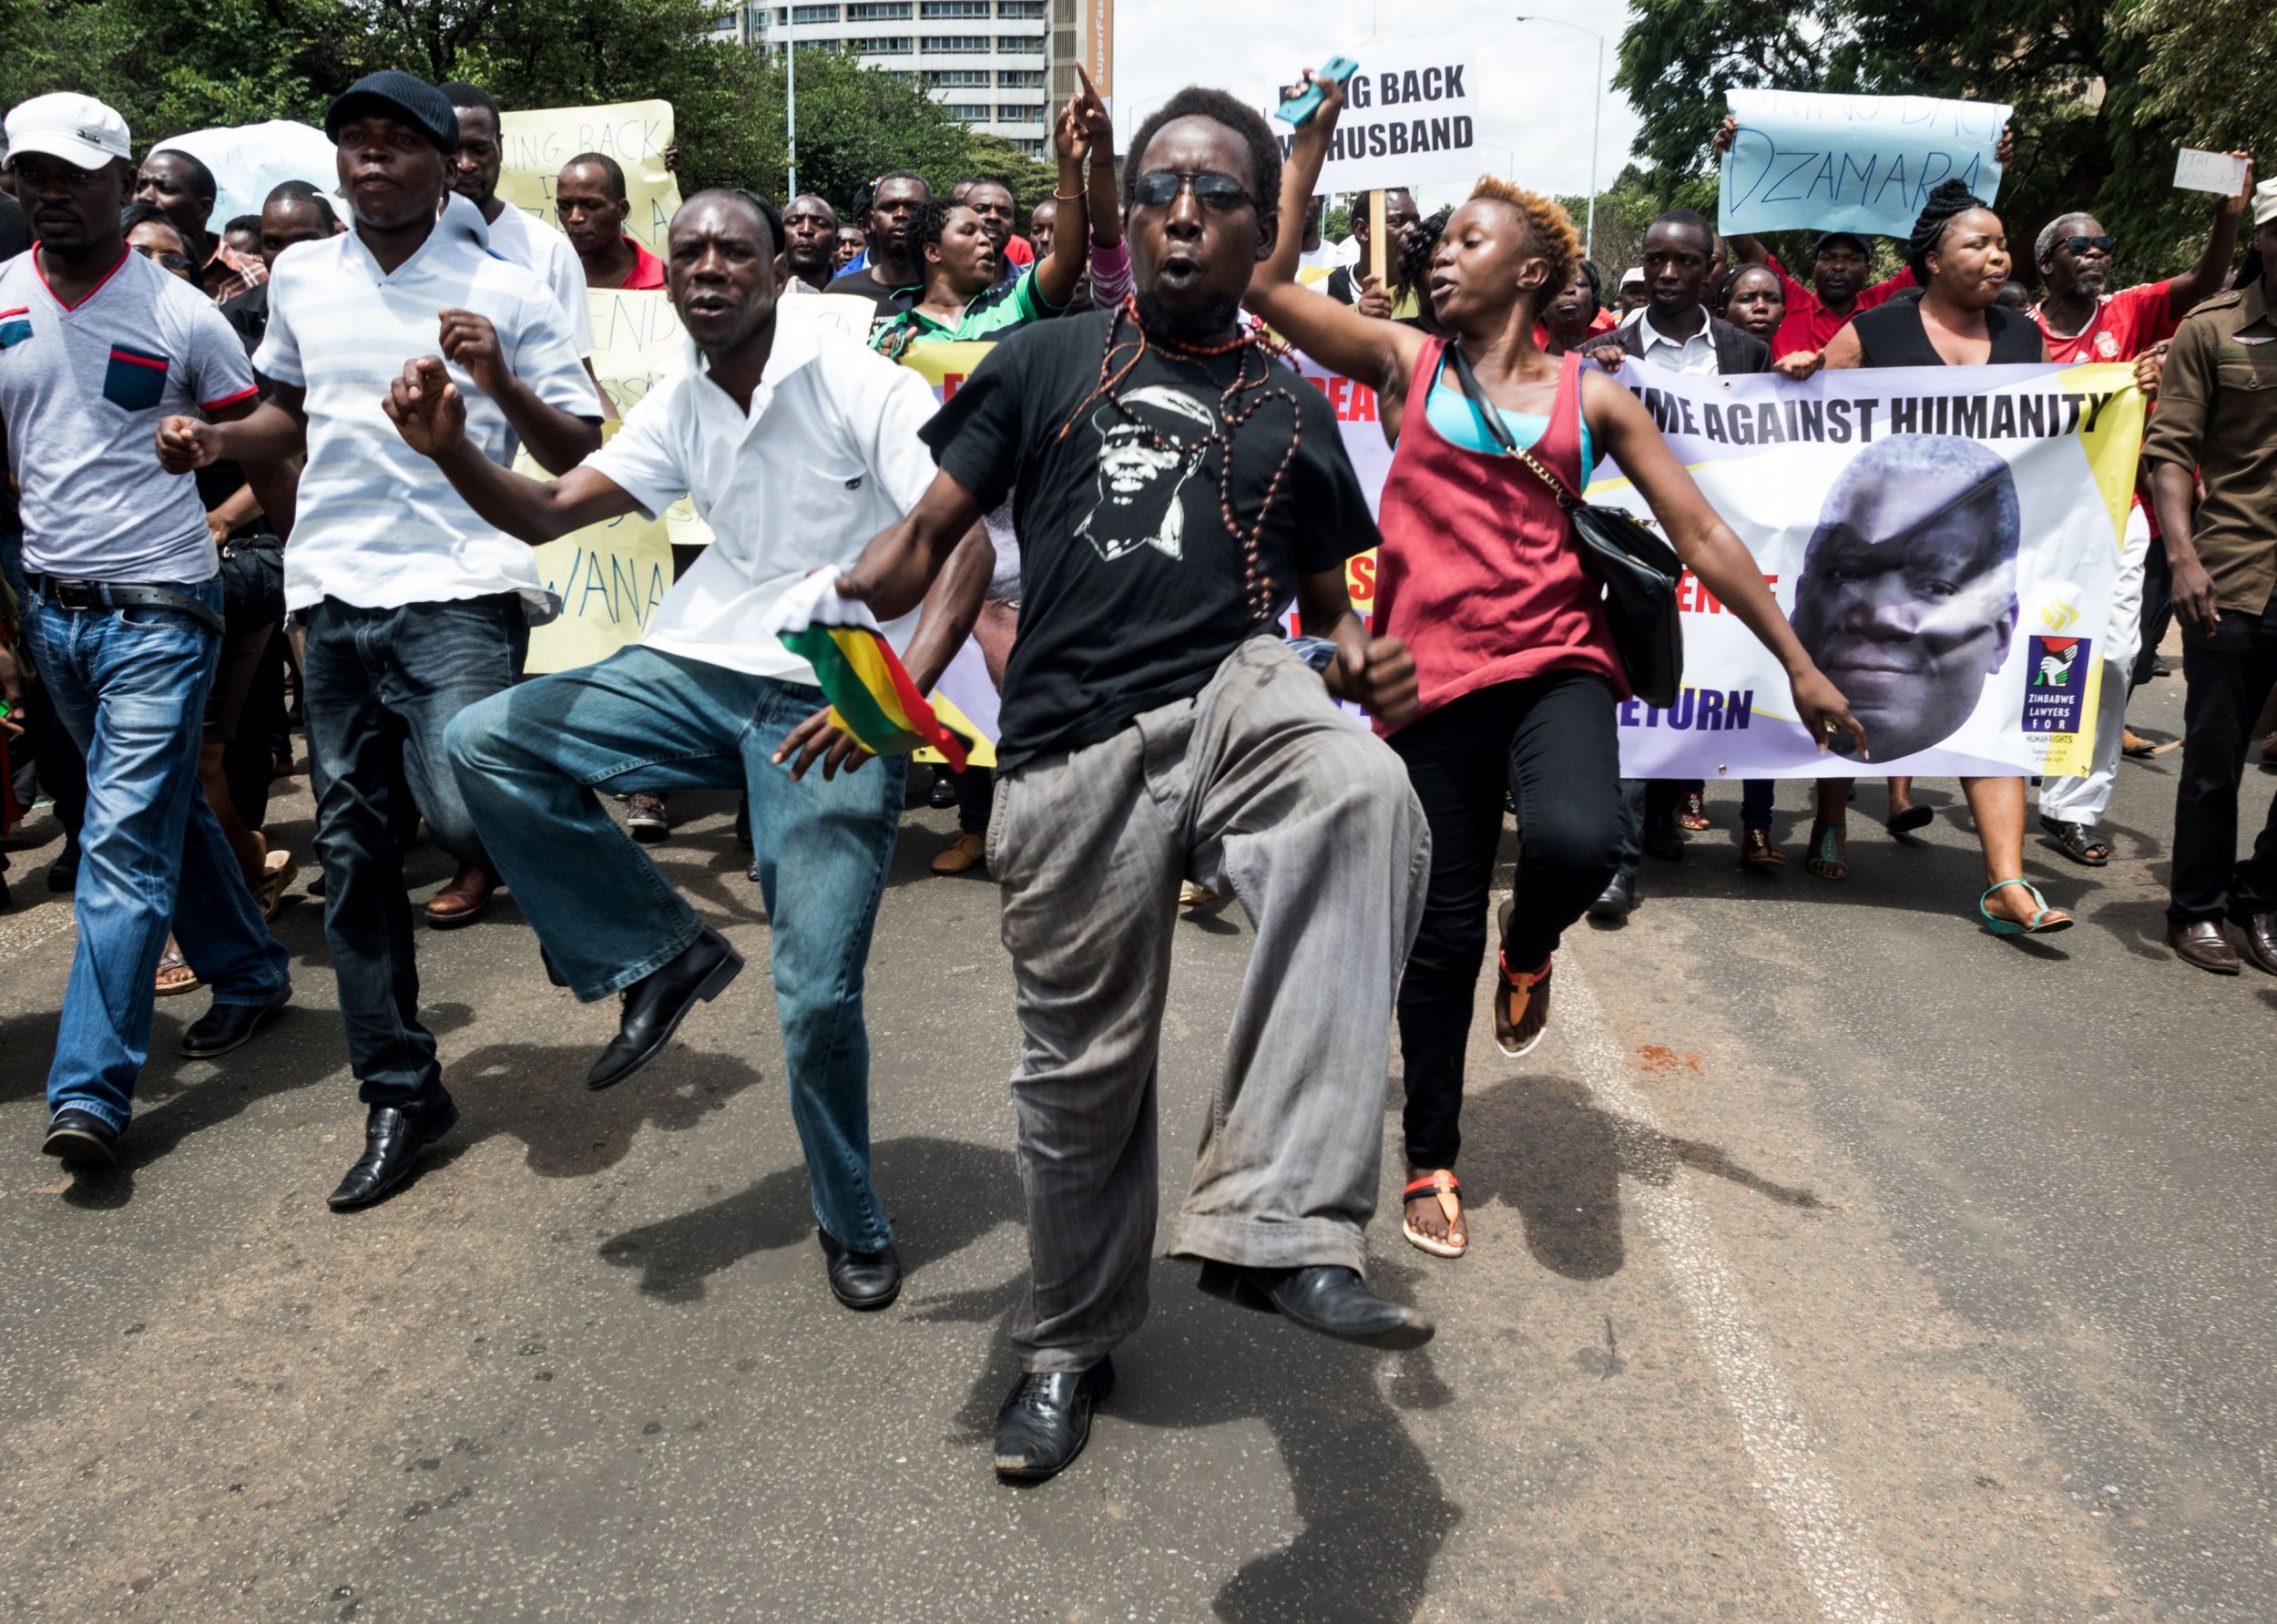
{"type": "Point", "coordinates": [1638, 570]}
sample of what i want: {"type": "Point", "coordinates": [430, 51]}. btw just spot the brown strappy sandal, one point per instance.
{"type": "Point", "coordinates": [1447, 1189]}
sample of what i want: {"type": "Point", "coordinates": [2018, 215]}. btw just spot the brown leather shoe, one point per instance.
{"type": "Point", "coordinates": [2201, 943]}
{"type": "Point", "coordinates": [463, 900]}
{"type": "Point", "coordinates": [963, 857]}
{"type": "Point", "coordinates": [2258, 939]}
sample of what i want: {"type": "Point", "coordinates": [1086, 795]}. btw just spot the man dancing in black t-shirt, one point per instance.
{"type": "Point", "coordinates": [1175, 489]}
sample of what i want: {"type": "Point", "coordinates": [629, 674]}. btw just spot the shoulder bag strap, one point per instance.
{"type": "Point", "coordinates": [1501, 431]}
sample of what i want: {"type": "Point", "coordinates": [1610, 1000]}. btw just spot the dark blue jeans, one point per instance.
{"type": "Point", "coordinates": [380, 687]}
{"type": "Point", "coordinates": [530, 764]}
{"type": "Point", "coordinates": [130, 686]}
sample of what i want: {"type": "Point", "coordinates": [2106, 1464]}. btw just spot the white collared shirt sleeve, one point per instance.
{"type": "Point", "coordinates": [897, 402]}
{"type": "Point", "coordinates": [643, 457]}
{"type": "Point", "coordinates": [566, 277]}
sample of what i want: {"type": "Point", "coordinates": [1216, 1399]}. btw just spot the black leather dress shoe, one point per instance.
{"type": "Point", "coordinates": [226, 1026]}
{"type": "Point", "coordinates": [1325, 1297]}
{"type": "Point", "coordinates": [2257, 939]}
{"type": "Point", "coordinates": [1616, 902]}
{"type": "Point", "coordinates": [2201, 943]}
{"type": "Point", "coordinates": [1046, 1422]}
{"type": "Point", "coordinates": [392, 1138]}
{"type": "Point", "coordinates": [657, 1004]}
{"type": "Point", "coordinates": [82, 1139]}
{"type": "Point", "coordinates": [862, 1280]}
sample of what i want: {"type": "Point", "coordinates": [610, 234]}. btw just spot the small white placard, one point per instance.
{"type": "Point", "coordinates": [2216, 173]}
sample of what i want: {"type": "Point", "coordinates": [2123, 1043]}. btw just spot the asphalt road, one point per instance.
{"type": "Point", "coordinates": [1832, 1259]}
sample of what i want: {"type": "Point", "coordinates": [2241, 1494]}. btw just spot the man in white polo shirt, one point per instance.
{"type": "Point", "coordinates": [796, 443]}
{"type": "Point", "coordinates": [415, 608]}
{"type": "Point", "coordinates": [516, 234]}
{"type": "Point", "coordinates": [97, 344]}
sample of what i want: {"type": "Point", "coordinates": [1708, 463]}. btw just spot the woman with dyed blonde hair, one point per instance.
{"type": "Point", "coordinates": [1481, 573]}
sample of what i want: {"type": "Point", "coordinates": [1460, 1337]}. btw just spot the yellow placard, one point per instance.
{"type": "Point", "coordinates": [636, 340]}
{"type": "Point", "coordinates": [634, 133]}
{"type": "Point", "coordinates": [611, 578]}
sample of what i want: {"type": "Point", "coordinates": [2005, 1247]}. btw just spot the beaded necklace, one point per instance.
{"type": "Point", "coordinates": [1257, 583]}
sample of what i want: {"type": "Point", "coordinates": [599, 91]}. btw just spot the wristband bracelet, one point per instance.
{"type": "Point", "coordinates": [1065, 197]}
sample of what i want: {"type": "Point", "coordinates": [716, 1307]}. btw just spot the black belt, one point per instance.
{"type": "Point", "coordinates": [123, 595]}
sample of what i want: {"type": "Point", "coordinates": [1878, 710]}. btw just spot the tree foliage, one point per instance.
{"type": "Point", "coordinates": [2103, 93]}
{"type": "Point", "coordinates": [171, 65]}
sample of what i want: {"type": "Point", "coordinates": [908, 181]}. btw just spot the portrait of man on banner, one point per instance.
{"type": "Point", "coordinates": [1908, 599]}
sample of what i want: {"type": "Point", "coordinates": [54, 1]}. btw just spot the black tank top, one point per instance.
{"type": "Point", "coordinates": [1892, 335]}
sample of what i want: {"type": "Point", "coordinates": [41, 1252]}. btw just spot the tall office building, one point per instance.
{"type": "Point", "coordinates": [1000, 66]}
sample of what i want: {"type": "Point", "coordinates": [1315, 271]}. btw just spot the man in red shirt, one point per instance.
{"type": "Point", "coordinates": [2084, 323]}
{"type": "Point", "coordinates": [1840, 265]}
{"type": "Point", "coordinates": [589, 197]}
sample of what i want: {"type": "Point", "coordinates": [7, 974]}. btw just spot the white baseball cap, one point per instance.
{"type": "Point", "coordinates": [2265, 203]}
{"type": "Point", "coordinates": [76, 128]}
{"type": "Point", "coordinates": [1635, 273]}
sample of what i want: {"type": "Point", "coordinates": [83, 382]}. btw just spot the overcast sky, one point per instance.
{"type": "Point", "coordinates": [1535, 78]}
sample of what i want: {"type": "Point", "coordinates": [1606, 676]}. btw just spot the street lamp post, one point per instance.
{"type": "Point", "coordinates": [1597, 120]}
{"type": "Point", "coordinates": [790, 95]}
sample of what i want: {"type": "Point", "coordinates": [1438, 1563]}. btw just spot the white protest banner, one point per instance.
{"type": "Point", "coordinates": [1411, 118]}
{"type": "Point", "coordinates": [1360, 426]}
{"type": "Point", "coordinates": [634, 133]}
{"type": "Point", "coordinates": [1801, 161]}
{"type": "Point", "coordinates": [2221, 173]}
{"type": "Point", "coordinates": [249, 159]}
{"type": "Point", "coordinates": [1945, 543]}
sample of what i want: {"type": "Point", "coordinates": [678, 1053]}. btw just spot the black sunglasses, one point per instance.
{"type": "Point", "coordinates": [2080, 245]}
{"type": "Point", "coordinates": [1159, 188]}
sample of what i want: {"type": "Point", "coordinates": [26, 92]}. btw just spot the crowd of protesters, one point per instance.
{"type": "Point", "coordinates": [261, 488]}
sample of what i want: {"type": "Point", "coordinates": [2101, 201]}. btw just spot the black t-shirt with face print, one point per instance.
{"type": "Point", "coordinates": [1132, 590]}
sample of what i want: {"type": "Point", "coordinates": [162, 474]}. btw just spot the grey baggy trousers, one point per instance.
{"type": "Point", "coordinates": [1256, 785]}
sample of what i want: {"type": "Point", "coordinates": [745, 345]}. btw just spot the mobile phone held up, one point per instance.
{"type": "Point", "coordinates": [1301, 106]}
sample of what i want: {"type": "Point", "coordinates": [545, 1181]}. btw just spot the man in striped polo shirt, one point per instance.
{"type": "Point", "coordinates": [123, 617]}
{"type": "Point", "coordinates": [414, 606]}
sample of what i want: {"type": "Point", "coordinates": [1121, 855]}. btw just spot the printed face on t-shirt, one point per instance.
{"type": "Point", "coordinates": [1146, 468]}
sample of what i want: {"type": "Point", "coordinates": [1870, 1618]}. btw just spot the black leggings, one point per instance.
{"type": "Point", "coordinates": [1549, 743]}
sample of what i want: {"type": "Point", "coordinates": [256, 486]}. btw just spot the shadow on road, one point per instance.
{"type": "Point", "coordinates": [1543, 1146]}
{"type": "Point", "coordinates": [943, 1195]}
{"type": "Point", "coordinates": [1374, 1512]}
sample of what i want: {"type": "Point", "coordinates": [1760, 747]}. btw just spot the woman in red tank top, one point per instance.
{"type": "Point", "coordinates": [1481, 576]}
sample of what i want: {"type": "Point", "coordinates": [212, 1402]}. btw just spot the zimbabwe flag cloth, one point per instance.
{"type": "Point", "coordinates": [870, 691]}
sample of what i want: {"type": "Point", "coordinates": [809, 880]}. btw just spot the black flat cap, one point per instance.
{"type": "Point", "coordinates": [407, 96]}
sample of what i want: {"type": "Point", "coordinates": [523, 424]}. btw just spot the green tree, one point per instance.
{"type": "Point", "coordinates": [854, 124]}
{"type": "Point", "coordinates": [994, 157]}
{"type": "Point", "coordinates": [2093, 130]}
{"type": "Point", "coordinates": [2210, 77]}
{"type": "Point", "coordinates": [176, 65]}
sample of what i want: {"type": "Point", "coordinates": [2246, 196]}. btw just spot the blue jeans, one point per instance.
{"type": "Point", "coordinates": [530, 762]}
{"type": "Point", "coordinates": [129, 685]}
{"type": "Point", "coordinates": [1649, 806]}
{"type": "Point", "coordinates": [379, 686]}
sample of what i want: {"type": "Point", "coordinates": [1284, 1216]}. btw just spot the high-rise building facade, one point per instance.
{"type": "Point", "coordinates": [1002, 66]}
